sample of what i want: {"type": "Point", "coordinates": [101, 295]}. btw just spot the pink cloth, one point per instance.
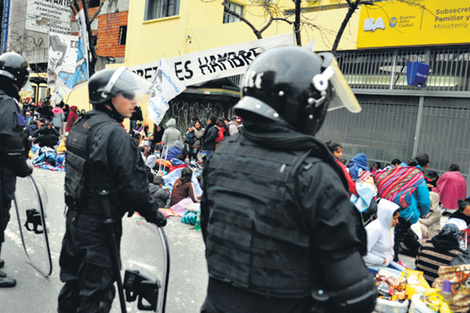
{"type": "Point", "coordinates": [451, 187]}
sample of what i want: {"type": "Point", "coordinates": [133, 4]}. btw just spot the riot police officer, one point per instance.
{"type": "Point", "coordinates": [280, 232]}
{"type": "Point", "coordinates": [14, 73]}
{"type": "Point", "coordinates": [104, 170]}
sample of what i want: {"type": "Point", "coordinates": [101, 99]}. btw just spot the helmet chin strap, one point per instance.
{"type": "Point", "coordinates": [114, 113]}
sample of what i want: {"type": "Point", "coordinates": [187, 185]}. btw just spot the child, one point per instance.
{"type": "Point", "coordinates": [160, 195]}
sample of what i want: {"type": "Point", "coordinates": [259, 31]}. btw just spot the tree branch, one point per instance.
{"type": "Point", "coordinates": [231, 12]}
{"type": "Point", "coordinates": [268, 10]}
{"type": "Point", "coordinates": [97, 11]}
{"type": "Point", "coordinates": [352, 7]}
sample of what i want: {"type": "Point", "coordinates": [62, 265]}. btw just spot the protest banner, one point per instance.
{"type": "Point", "coordinates": [62, 60]}
{"type": "Point", "coordinates": [214, 63]}
{"type": "Point", "coordinates": [165, 87]}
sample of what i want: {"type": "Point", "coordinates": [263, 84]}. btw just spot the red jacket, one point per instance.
{"type": "Point", "coordinates": [72, 118]}
{"type": "Point", "coordinates": [351, 182]}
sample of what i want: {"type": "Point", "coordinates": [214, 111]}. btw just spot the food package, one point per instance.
{"type": "Point", "coordinates": [459, 277]}
{"type": "Point", "coordinates": [416, 284]}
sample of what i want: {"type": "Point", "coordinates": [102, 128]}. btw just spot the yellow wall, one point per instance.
{"type": "Point", "coordinates": [147, 41]}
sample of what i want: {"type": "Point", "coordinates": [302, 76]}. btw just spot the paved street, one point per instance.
{"type": "Point", "coordinates": [36, 294]}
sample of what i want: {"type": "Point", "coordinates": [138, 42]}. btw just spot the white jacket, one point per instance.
{"type": "Point", "coordinates": [380, 235]}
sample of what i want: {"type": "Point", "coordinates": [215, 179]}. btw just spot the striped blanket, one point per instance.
{"type": "Point", "coordinates": [398, 184]}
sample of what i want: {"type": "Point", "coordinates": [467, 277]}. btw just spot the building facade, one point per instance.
{"type": "Point", "coordinates": [26, 25]}
{"type": "Point", "coordinates": [398, 120]}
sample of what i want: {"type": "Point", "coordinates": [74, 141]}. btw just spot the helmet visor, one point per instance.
{"type": "Point", "coordinates": [342, 97]}
{"type": "Point", "coordinates": [130, 85]}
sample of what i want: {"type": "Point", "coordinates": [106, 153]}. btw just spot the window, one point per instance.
{"type": "Point", "coordinates": [161, 8]}
{"type": "Point", "coordinates": [122, 34]}
{"type": "Point", "coordinates": [237, 8]}
{"type": "Point", "coordinates": [93, 3]}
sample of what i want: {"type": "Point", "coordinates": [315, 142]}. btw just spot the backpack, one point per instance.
{"type": "Point", "coordinates": [190, 138]}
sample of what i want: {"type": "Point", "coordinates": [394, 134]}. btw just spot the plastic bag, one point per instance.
{"type": "Point", "coordinates": [459, 276]}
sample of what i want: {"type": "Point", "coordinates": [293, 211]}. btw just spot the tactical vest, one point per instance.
{"type": "Point", "coordinates": [255, 236]}
{"type": "Point", "coordinates": [79, 178]}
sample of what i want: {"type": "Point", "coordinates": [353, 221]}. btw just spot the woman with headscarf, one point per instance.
{"type": "Point", "coordinates": [438, 251]}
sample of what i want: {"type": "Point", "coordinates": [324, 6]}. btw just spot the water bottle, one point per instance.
{"type": "Point", "coordinates": [446, 291]}
{"type": "Point", "coordinates": [198, 221]}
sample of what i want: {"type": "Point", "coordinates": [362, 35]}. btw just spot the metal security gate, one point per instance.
{"type": "Point", "coordinates": [392, 127]}
{"type": "Point", "coordinates": [398, 120]}
{"type": "Point", "coordinates": [445, 134]}
{"type": "Point", "coordinates": [384, 130]}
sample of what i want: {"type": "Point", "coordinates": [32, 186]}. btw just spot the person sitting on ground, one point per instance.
{"type": "Point", "coordinates": [46, 136]}
{"type": "Point", "coordinates": [405, 185]}
{"type": "Point", "coordinates": [357, 165]}
{"type": "Point", "coordinates": [183, 187]}
{"type": "Point", "coordinates": [33, 127]}
{"type": "Point", "coordinates": [158, 193]}
{"type": "Point", "coordinates": [149, 158]}
{"type": "Point", "coordinates": [431, 224]}
{"type": "Point", "coordinates": [175, 150]}
{"type": "Point", "coordinates": [431, 179]}
{"type": "Point", "coordinates": [47, 129]}
{"type": "Point", "coordinates": [438, 251]}
{"type": "Point", "coordinates": [337, 151]}
{"type": "Point", "coordinates": [463, 212]}
{"type": "Point", "coordinates": [451, 187]}
{"type": "Point", "coordinates": [376, 167]}
{"type": "Point", "coordinates": [380, 235]}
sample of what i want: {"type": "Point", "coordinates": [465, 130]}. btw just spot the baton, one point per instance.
{"type": "Point", "coordinates": [108, 221]}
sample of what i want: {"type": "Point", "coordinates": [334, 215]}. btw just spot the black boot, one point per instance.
{"type": "Point", "coordinates": [2, 261]}
{"type": "Point", "coordinates": [2, 274]}
{"type": "Point", "coordinates": [6, 282]}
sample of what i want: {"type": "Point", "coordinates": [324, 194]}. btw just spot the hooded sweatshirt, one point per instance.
{"type": "Point", "coordinates": [380, 235]}
{"type": "Point", "coordinates": [357, 163]}
{"type": "Point", "coordinates": [175, 150]}
{"type": "Point", "coordinates": [171, 134]}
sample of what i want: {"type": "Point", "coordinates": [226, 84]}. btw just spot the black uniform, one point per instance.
{"type": "Point", "coordinates": [100, 155]}
{"type": "Point", "coordinates": [272, 219]}
{"type": "Point", "coordinates": [12, 152]}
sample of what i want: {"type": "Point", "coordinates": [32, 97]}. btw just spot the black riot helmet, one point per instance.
{"type": "Point", "coordinates": [292, 85]}
{"type": "Point", "coordinates": [107, 83]}
{"type": "Point", "coordinates": [14, 68]}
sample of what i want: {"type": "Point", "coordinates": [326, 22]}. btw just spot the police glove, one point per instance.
{"type": "Point", "coordinates": [157, 218]}
{"type": "Point", "coordinates": [16, 161]}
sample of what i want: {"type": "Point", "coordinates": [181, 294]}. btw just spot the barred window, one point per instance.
{"type": "Point", "coordinates": [161, 8]}
{"type": "Point", "coordinates": [237, 8]}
